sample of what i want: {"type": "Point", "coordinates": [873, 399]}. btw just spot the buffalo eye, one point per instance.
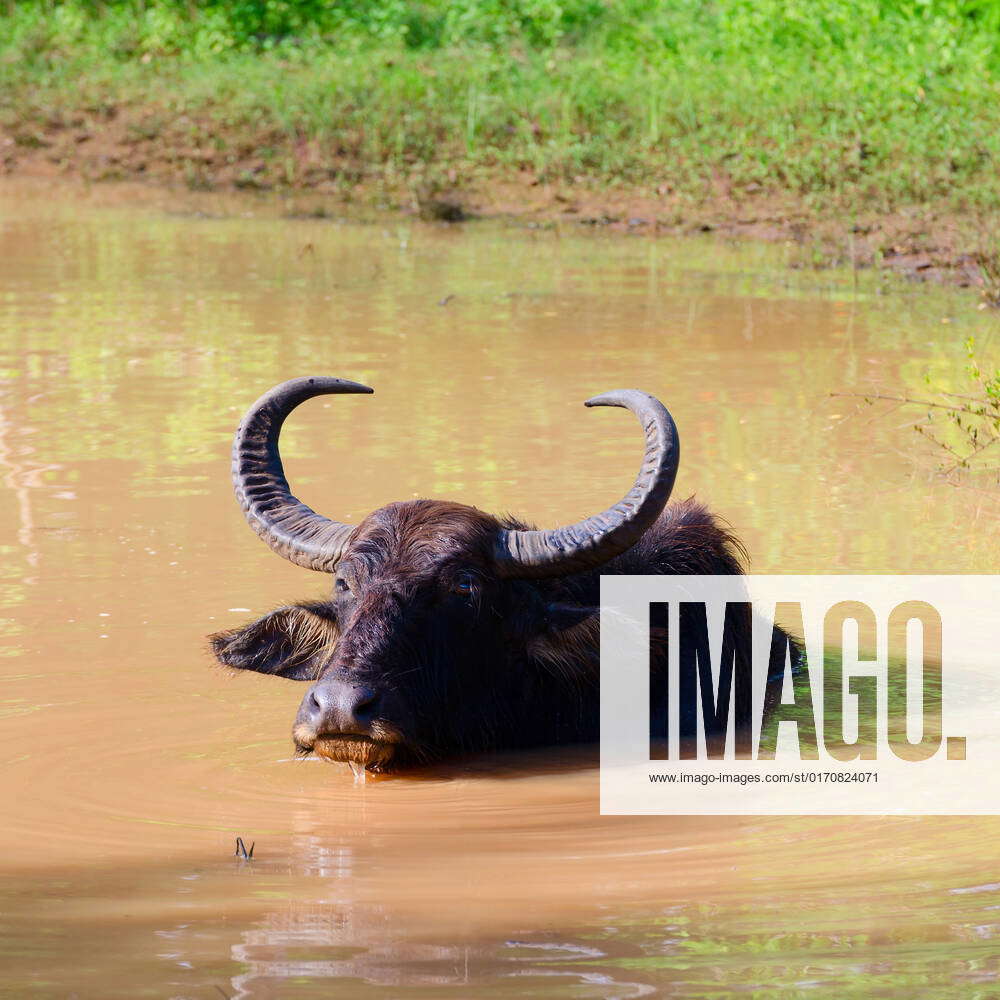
{"type": "Point", "coordinates": [340, 586]}
{"type": "Point", "coordinates": [463, 586]}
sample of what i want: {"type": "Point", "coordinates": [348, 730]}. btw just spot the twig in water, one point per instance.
{"type": "Point", "coordinates": [973, 421]}
{"type": "Point", "coordinates": [869, 396]}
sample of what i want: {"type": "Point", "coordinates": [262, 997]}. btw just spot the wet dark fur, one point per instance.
{"type": "Point", "coordinates": [511, 663]}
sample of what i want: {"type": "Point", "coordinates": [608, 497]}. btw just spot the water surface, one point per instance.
{"type": "Point", "coordinates": [132, 336]}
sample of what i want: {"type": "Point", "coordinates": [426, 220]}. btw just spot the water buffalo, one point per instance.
{"type": "Point", "coordinates": [449, 630]}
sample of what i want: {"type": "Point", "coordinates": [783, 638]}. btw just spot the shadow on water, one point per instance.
{"type": "Point", "coordinates": [515, 764]}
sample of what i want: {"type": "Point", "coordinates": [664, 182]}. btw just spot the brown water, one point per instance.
{"type": "Point", "coordinates": [132, 337]}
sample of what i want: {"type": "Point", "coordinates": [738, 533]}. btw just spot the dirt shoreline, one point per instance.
{"type": "Point", "coordinates": [134, 145]}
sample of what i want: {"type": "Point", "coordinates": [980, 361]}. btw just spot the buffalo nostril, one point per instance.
{"type": "Point", "coordinates": [316, 703]}
{"type": "Point", "coordinates": [365, 705]}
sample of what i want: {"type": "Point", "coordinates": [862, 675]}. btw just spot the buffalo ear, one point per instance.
{"type": "Point", "coordinates": [567, 646]}
{"type": "Point", "coordinates": [563, 616]}
{"type": "Point", "coordinates": [291, 642]}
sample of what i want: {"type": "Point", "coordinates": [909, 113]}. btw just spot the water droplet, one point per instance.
{"type": "Point", "coordinates": [359, 772]}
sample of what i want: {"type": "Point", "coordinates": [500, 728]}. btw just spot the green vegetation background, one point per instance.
{"type": "Point", "coordinates": [876, 102]}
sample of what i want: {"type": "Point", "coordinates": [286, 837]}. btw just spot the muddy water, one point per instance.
{"type": "Point", "coordinates": [133, 336]}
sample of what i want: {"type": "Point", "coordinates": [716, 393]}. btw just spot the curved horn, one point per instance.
{"type": "Point", "coordinates": [291, 528]}
{"type": "Point", "coordinates": [602, 537]}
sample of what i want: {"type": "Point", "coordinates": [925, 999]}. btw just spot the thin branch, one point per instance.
{"type": "Point", "coordinates": [869, 396]}
{"type": "Point", "coordinates": [941, 444]}
{"type": "Point", "coordinates": [981, 448]}
{"type": "Point", "coordinates": [959, 395]}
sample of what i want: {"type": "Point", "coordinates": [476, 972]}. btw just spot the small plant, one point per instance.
{"type": "Point", "coordinates": [965, 426]}
{"type": "Point", "coordinates": [988, 262]}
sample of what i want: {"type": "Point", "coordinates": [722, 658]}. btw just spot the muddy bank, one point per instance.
{"type": "Point", "coordinates": [127, 143]}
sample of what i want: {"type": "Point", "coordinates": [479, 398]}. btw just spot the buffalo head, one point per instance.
{"type": "Point", "coordinates": [447, 630]}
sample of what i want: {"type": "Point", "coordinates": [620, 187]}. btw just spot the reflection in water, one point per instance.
{"type": "Point", "coordinates": [307, 947]}
{"type": "Point", "coordinates": [130, 342]}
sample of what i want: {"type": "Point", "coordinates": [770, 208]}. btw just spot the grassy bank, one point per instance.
{"type": "Point", "coordinates": [821, 108]}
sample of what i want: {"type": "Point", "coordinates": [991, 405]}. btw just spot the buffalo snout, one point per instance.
{"type": "Point", "coordinates": [341, 719]}
{"type": "Point", "coordinates": [339, 707]}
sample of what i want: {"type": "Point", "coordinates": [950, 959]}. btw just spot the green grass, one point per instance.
{"type": "Point", "coordinates": [874, 104]}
